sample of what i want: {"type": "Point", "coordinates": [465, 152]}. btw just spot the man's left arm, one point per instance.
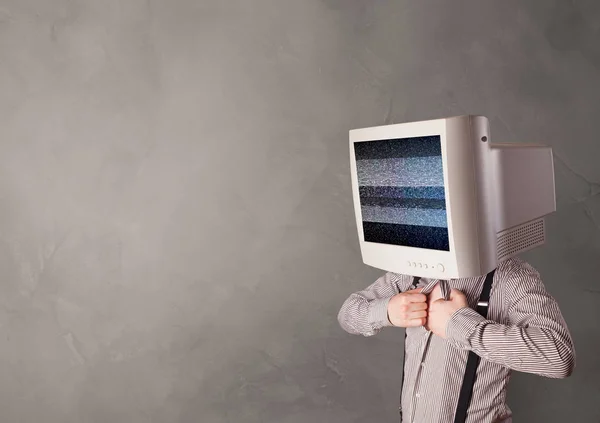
{"type": "Point", "coordinates": [535, 340]}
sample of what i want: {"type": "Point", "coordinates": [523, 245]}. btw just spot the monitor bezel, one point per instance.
{"type": "Point", "coordinates": [461, 202]}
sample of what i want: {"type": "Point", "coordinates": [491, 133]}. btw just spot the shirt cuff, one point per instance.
{"type": "Point", "coordinates": [461, 325]}
{"type": "Point", "coordinates": [378, 314]}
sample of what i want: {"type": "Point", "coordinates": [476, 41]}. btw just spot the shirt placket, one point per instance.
{"type": "Point", "coordinates": [416, 387]}
{"type": "Point", "coordinates": [445, 287]}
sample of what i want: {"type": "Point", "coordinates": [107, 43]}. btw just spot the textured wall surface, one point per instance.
{"type": "Point", "coordinates": [176, 222]}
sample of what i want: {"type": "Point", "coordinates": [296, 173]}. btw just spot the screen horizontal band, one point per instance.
{"type": "Point", "coordinates": [429, 192]}
{"type": "Point", "coordinates": [398, 147]}
{"type": "Point", "coordinates": [405, 216]}
{"type": "Point", "coordinates": [401, 172]}
{"type": "Point", "coordinates": [428, 237]}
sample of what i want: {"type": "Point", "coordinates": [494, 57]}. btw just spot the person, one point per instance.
{"type": "Point", "coordinates": [524, 331]}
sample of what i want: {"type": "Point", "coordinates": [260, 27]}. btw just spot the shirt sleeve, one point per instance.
{"type": "Point", "coordinates": [536, 339]}
{"type": "Point", "coordinates": [365, 312]}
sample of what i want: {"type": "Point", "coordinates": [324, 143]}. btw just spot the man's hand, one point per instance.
{"type": "Point", "coordinates": [441, 310]}
{"type": "Point", "coordinates": [408, 309]}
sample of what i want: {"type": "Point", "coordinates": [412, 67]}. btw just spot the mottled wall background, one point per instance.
{"type": "Point", "coordinates": [176, 223]}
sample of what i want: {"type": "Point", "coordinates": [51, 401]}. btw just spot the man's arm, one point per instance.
{"type": "Point", "coordinates": [536, 340]}
{"type": "Point", "coordinates": [365, 312]}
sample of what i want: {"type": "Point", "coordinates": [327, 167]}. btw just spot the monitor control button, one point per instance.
{"type": "Point", "coordinates": [441, 267]}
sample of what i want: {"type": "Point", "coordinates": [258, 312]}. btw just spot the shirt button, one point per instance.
{"type": "Point", "coordinates": [418, 395]}
{"type": "Point", "coordinates": [422, 364]}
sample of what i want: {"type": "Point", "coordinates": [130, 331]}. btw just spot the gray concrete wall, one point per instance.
{"type": "Point", "coordinates": [176, 222]}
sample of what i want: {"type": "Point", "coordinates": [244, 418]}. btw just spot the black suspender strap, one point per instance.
{"type": "Point", "coordinates": [414, 285]}
{"type": "Point", "coordinates": [466, 390]}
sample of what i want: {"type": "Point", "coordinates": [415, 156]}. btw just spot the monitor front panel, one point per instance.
{"type": "Point", "coordinates": [402, 192]}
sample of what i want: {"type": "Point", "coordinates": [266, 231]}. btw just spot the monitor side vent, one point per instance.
{"type": "Point", "coordinates": [521, 238]}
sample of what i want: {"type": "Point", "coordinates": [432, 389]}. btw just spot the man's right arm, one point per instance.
{"type": "Point", "coordinates": [366, 312]}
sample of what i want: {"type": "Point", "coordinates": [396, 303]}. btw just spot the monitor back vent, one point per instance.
{"type": "Point", "coordinates": [521, 238]}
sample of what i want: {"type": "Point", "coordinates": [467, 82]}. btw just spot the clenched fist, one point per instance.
{"type": "Point", "coordinates": [440, 311]}
{"type": "Point", "coordinates": [408, 309]}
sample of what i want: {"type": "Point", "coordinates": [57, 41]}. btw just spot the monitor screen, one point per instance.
{"type": "Point", "coordinates": [401, 190]}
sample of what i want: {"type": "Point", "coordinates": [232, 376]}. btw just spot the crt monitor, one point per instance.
{"type": "Point", "coordinates": [439, 199]}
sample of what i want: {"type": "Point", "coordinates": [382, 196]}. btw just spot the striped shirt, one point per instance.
{"type": "Point", "coordinates": [524, 331]}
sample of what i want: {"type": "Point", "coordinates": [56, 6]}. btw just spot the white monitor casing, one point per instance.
{"type": "Point", "coordinates": [496, 198]}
